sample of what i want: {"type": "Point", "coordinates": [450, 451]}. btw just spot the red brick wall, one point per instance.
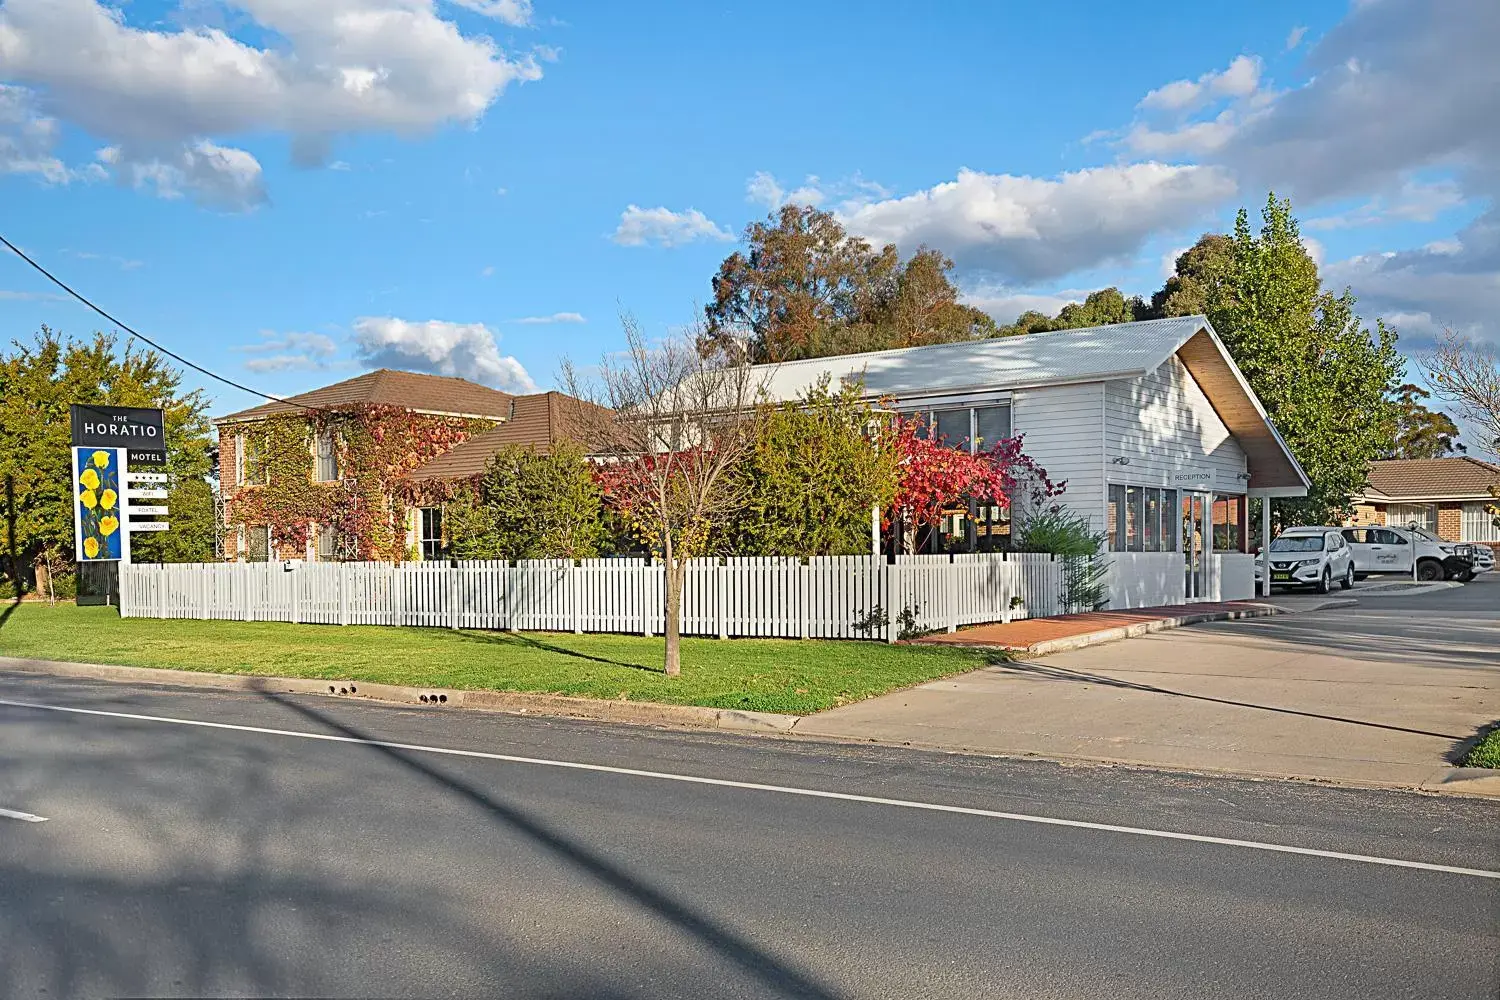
{"type": "Point", "coordinates": [1367, 514]}
{"type": "Point", "coordinates": [1450, 522]}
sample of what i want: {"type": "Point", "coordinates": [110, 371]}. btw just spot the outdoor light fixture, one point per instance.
{"type": "Point", "coordinates": [1120, 460]}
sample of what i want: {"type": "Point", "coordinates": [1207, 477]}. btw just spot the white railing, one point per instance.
{"type": "Point", "coordinates": [820, 598]}
{"type": "Point", "coordinates": [1232, 576]}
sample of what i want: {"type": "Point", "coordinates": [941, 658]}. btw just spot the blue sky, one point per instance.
{"type": "Point", "coordinates": [291, 192]}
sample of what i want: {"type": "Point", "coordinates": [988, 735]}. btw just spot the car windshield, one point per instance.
{"type": "Point", "coordinates": [1298, 543]}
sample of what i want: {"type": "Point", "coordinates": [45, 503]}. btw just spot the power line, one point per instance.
{"type": "Point", "coordinates": [143, 338]}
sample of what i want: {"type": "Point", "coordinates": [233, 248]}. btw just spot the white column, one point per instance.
{"type": "Point", "coordinates": [1265, 546]}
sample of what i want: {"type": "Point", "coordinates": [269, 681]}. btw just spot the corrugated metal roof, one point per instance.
{"type": "Point", "coordinates": [389, 387]}
{"type": "Point", "coordinates": [1125, 350]}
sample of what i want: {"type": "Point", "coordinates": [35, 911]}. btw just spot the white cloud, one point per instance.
{"type": "Point", "coordinates": [488, 271]}
{"type": "Point", "coordinates": [513, 12]}
{"type": "Point", "coordinates": [465, 350]}
{"type": "Point", "coordinates": [1027, 229]}
{"type": "Point", "coordinates": [27, 139]}
{"type": "Point", "coordinates": [11, 296]}
{"type": "Point", "coordinates": [1414, 202]}
{"type": "Point", "coordinates": [333, 67]}
{"type": "Point", "coordinates": [1240, 78]}
{"type": "Point", "coordinates": [562, 317]}
{"type": "Point", "coordinates": [1004, 306]}
{"type": "Point", "coordinates": [848, 193]}
{"type": "Point", "coordinates": [289, 352]}
{"type": "Point", "coordinates": [1398, 86]}
{"type": "Point", "coordinates": [212, 175]}
{"type": "Point", "coordinates": [1295, 36]}
{"type": "Point", "coordinates": [664, 227]}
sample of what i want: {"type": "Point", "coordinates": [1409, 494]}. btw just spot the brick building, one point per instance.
{"type": "Point", "coordinates": [1450, 497]}
{"type": "Point", "coordinates": [339, 472]}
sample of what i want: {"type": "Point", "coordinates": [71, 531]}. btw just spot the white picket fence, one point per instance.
{"type": "Point", "coordinates": [820, 598]}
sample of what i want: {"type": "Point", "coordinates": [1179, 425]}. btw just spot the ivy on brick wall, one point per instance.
{"type": "Point", "coordinates": [368, 506]}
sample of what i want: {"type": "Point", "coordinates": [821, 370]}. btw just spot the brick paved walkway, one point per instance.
{"type": "Point", "coordinates": [1029, 632]}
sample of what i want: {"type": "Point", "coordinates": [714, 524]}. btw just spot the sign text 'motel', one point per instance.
{"type": "Point", "coordinates": [135, 428]}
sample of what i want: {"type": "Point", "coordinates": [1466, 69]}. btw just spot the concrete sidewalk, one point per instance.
{"type": "Point", "coordinates": [1384, 696]}
{"type": "Point", "coordinates": [1043, 636]}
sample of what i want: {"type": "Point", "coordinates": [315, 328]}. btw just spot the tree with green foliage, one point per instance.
{"type": "Point", "coordinates": [1101, 308]}
{"type": "Point", "coordinates": [805, 288]}
{"type": "Point", "coordinates": [38, 382]}
{"type": "Point", "coordinates": [529, 505]}
{"type": "Point", "coordinates": [1420, 432]}
{"type": "Point", "coordinates": [1324, 378]}
{"type": "Point", "coordinates": [812, 477]}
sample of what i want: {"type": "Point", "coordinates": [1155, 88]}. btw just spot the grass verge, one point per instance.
{"type": "Point", "coordinates": [1486, 752]}
{"type": "Point", "coordinates": [765, 675]}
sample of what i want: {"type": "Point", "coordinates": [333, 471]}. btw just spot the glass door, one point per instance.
{"type": "Point", "coordinates": [1196, 544]}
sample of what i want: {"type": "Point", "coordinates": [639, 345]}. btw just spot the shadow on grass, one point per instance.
{"type": "Point", "coordinates": [531, 642]}
{"type": "Point", "coordinates": [1053, 673]}
{"type": "Point", "coordinates": [781, 978]}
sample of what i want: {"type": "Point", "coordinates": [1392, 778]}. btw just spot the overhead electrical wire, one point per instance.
{"type": "Point", "coordinates": [145, 339]}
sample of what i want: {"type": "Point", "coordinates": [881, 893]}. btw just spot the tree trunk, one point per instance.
{"type": "Point", "coordinates": [676, 570]}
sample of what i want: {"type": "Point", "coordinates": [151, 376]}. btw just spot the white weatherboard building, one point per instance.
{"type": "Point", "coordinates": [1152, 426]}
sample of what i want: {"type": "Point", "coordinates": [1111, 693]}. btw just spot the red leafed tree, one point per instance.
{"type": "Point", "coordinates": [934, 475]}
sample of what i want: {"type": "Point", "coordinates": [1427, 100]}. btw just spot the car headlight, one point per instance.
{"type": "Point", "coordinates": [1308, 562]}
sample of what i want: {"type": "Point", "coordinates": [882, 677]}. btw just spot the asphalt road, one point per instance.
{"type": "Point", "coordinates": [183, 859]}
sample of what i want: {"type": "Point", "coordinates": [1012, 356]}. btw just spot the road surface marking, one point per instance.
{"type": "Point", "coordinates": [779, 789]}
{"type": "Point", "coordinates": [23, 817]}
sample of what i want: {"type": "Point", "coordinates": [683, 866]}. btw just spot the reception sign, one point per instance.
{"type": "Point", "coordinates": [98, 504]}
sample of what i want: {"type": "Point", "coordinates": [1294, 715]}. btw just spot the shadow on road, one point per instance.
{"type": "Point", "coordinates": [1049, 672]}
{"type": "Point", "coordinates": [785, 980]}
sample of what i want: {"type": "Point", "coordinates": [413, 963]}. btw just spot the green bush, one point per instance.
{"type": "Point", "coordinates": [1062, 533]}
{"type": "Point", "coordinates": [1486, 752]}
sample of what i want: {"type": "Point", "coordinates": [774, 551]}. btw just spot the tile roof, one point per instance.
{"type": "Point", "coordinates": [388, 387]}
{"type": "Point", "coordinates": [1432, 478]}
{"type": "Point", "coordinates": [538, 422]}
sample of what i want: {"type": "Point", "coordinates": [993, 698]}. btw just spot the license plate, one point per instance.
{"type": "Point", "coordinates": [1279, 577]}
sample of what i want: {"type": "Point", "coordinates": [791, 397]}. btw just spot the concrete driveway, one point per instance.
{"type": "Point", "coordinates": [1385, 692]}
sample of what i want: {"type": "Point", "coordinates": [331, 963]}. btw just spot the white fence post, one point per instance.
{"type": "Point", "coordinates": [890, 601]}
{"type": "Point", "coordinates": [343, 581]}
{"type": "Point", "coordinates": [802, 575]}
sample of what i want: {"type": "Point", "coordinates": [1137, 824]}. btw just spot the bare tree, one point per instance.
{"type": "Point", "coordinates": [1466, 373]}
{"type": "Point", "coordinates": [668, 423]}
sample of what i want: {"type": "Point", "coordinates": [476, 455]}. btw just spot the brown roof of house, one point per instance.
{"type": "Point", "coordinates": [1432, 478]}
{"type": "Point", "coordinates": [538, 422]}
{"type": "Point", "coordinates": [388, 387]}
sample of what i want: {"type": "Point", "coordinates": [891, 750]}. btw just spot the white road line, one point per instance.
{"type": "Point", "coordinates": [781, 790]}
{"type": "Point", "coordinates": [23, 817]}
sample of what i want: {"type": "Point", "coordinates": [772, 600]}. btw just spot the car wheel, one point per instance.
{"type": "Point", "coordinates": [1348, 580]}
{"type": "Point", "coordinates": [1429, 570]}
{"type": "Point", "coordinates": [1325, 582]}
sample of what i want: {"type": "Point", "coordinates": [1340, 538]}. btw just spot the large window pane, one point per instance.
{"type": "Point", "coordinates": [326, 468]}
{"type": "Point", "coordinates": [992, 425]}
{"type": "Point", "coordinates": [1152, 520]}
{"type": "Point", "coordinates": [1135, 502]}
{"type": "Point", "coordinates": [953, 427]}
{"type": "Point", "coordinates": [1116, 520]}
{"type": "Point", "coordinates": [432, 533]}
{"type": "Point", "coordinates": [1169, 515]}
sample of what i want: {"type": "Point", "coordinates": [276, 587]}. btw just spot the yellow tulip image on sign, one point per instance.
{"type": "Point", "coordinates": [97, 486]}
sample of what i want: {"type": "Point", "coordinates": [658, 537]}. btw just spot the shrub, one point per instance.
{"type": "Point", "coordinates": [1067, 535]}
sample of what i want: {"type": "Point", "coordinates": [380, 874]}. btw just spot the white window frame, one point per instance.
{"type": "Point", "coordinates": [316, 446]}
{"type": "Point", "coordinates": [1476, 524]}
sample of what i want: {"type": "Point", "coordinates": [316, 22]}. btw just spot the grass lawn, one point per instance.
{"type": "Point", "coordinates": [1486, 752]}
{"type": "Point", "coordinates": [767, 675]}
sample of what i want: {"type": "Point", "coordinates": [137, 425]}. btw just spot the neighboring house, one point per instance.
{"type": "Point", "coordinates": [1152, 425]}
{"type": "Point", "coordinates": [1448, 496]}
{"type": "Point", "coordinates": [340, 472]}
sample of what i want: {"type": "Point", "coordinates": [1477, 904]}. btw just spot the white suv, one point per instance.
{"type": "Point", "coordinates": [1309, 557]}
